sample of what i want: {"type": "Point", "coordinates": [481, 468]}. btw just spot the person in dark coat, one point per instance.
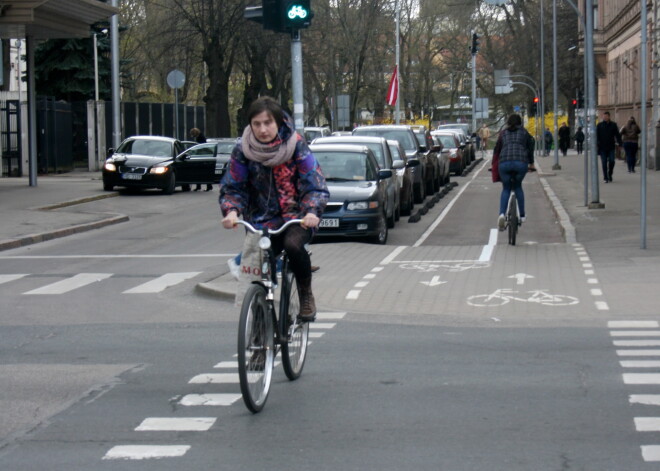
{"type": "Point", "coordinates": [630, 136]}
{"type": "Point", "coordinates": [579, 140]}
{"type": "Point", "coordinates": [199, 138]}
{"type": "Point", "coordinates": [564, 134]}
{"type": "Point", "coordinates": [607, 138]}
{"type": "Point", "coordinates": [548, 139]}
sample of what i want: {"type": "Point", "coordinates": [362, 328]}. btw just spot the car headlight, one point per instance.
{"type": "Point", "coordinates": [158, 170]}
{"type": "Point", "coordinates": [360, 205]}
{"type": "Point", "coordinates": [110, 167]}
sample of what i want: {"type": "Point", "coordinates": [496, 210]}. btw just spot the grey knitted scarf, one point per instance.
{"type": "Point", "coordinates": [271, 154]}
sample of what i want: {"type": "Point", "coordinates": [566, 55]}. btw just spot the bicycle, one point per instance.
{"type": "Point", "coordinates": [264, 331]}
{"type": "Point", "coordinates": [513, 220]}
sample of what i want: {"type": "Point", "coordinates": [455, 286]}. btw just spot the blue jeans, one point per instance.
{"type": "Point", "coordinates": [607, 159]}
{"type": "Point", "coordinates": [508, 169]}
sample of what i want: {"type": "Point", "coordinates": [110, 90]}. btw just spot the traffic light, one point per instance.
{"type": "Point", "coordinates": [296, 14]}
{"type": "Point", "coordinates": [580, 100]}
{"type": "Point", "coordinates": [574, 103]}
{"type": "Point", "coordinates": [475, 43]}
{"type": "Point", "coordinates": [534, 108]}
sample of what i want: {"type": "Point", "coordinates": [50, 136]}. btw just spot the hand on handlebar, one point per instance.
{"type": "Point", "coordinates": [229, 221]}
{"type": "Point", "coordinates": [310, 220]}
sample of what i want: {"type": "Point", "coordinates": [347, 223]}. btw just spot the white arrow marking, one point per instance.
{"type": "Point", "coordinates": [520, 278]}
{"type": "Point", "coordinates": [435, 281]}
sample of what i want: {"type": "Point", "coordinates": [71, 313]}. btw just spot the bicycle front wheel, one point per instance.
{"type": "Point", "coordinates": [513, 220]}
{"type": "Point", "coordinates": [255, 348]}
{"type": "Point", "coordinates": [294, 332]}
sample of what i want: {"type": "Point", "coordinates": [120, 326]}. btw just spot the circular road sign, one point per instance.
{"type": "Point", "coordinates": [176, 79]}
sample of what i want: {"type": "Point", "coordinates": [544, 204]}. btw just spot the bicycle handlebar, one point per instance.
{"type": "Point", "coordinates": [254, 230]}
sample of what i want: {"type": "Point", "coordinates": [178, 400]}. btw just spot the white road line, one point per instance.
{"type": "Point", "coordinates": [584, 259]}
{"type": "Point", "coordinates": [640, 364]}
{"type": "Point", "coordinates": [316, 335]}
{"type": "Point", "coordinates": [176, 424]}
{"type": "Point", "coordinates": [647, 424]}
{"type": "Point", "coordinates": [322, 325]}
{"type": "Point", "coordinates": [353, 294]}
{"type": "Point", "coordinates": [361, 284]}
{"type": "Point", "coordinates": [447, 208]}
{"type": "Point", "coordinates": [645, 399]}
{"type": "Point", "coordinates": [226, 364]}
{"type": "Point", "coordinates": [635, 333]}
{"type": "Point", "coordinates": [69, 284]}
{"type": "Point", "coordinates": [651, 452]}
{"type": "Point", "coordinates": [330, 315]}
{"type": "Point", "coordinates": [641, 378]}
{"type": "Point", "coordinates": [369, 276]}
{"type": "Point", "coordinates": [8, 278]}
{"type": "Point", "coordinates": [162, 282]}
{"type": "Point", "coordinates": [596, 292]}
{"type": "Point", "coordinates": [632, 324]}
{"type": "Point", "coordinates": [145, 452]}
{"type": "Point", "coordinates": [589, 272]}
{"type": "Point", "coordinates": [63, 257]}
{"type": "Point", "coordinates": [215, 378]}
{"type": "Point", "coordinates": [209, 399]}
{"type": "Point", "coordinates": [393, 254]}
{"type": "Point", "coordinates": [587, 265]}
{"type": "Point", "coordinates": [487, 251]}
{"type": "Point", "coordinates": [592, 281]}
{"type": "Point", "coordinates": [377, 269]}
{"type": "Point", "coordinates": [602, 306]}
{"type": "Point", "coordinates": [636, 343]}
{"type": "Point", "coordinates": [638, 353]}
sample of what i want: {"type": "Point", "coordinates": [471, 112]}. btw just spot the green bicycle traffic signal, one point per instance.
{"type": "Point", "coordinates": [296, 14]}
{"type": "Point", "coordinates": [281, 16]}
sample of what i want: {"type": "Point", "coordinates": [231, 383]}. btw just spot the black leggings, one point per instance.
{"type": "Point", "coordinates": [293, 241]}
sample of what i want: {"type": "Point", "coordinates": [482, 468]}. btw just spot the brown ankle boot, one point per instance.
{"type": "Point", "coordinates": [307, 304]}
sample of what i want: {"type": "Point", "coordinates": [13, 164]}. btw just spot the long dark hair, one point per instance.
{"type": "Point", "coordinates": [269, 105]}
{"type": "Point", "coordinates": [513, 122]}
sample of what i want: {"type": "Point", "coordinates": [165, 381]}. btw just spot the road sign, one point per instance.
{"type": "Point", "coordinates": [176, 79]}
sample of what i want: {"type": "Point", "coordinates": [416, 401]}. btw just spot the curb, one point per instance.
{"type": "Point", "coordinates": [58, 233]}
{"type": "Point", "coordinates": [87, 199]}
{"type": "Point", "coordinates": [567, 228]}
{"type": "Point", "coordinates": [223, 287]}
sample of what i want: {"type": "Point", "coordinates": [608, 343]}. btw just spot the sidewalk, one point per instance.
{"type": "Point", "coordinates": [34, 214]}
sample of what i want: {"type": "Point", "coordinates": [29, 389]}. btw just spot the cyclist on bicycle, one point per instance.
{"type": "Point", "coordinates": [273, 177]}
{"type": "Point", "coordinates": [515, 148]}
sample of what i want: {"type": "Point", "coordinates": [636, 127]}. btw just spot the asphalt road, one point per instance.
{"type": "Point", "coordinates": [445, 349]}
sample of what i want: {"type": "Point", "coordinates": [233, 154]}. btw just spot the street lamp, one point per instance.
{"type": "Point", "coordinates": [100, 143]}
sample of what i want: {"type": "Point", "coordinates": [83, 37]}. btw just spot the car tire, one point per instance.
{"type": "Point", "coordinates": [108, 186]}
{"type": "Point", "coordinates": [397, 210]}
{"type": "Point", "coordinates": [391, 220]}
{"type": "Point", "coordinates": [185, 187]}
{"type": "Point", "coordinates": [381, 237]}
{"type": "Point", "coordinates": [170, 186]}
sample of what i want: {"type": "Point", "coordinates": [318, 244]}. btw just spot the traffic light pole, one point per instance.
{"type": "Point", "coordinates": [297, 80]}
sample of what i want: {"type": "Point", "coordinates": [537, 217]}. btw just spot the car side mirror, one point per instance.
{"type": "Point", "coordinates": [412, 163]}
{"type": "Point", "coordinates": [436, 148]}
{"type": "Point", "coordinates": [111, 151]}
{"type": "Point", "coordinates": [383, 174]}
{"type": "Point", "coordinates": [397, 164]}
{"type": "Point", "coordinates": [462, 146]}
{"type": "Point", "coordinates": [423, 149]}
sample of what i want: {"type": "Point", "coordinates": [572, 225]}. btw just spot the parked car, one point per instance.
{"type": "Point", "coordinates": [342, 133]}
{"type": "Point", "coordinates": [358, 192]}
{"type": "Point", "coordinates": [408, 141]}
{"type": "Point", "coordinates": [143, 162]}
{"type": "Point", "coordinates": [466, 138]}
{"type": "Point", "coordinates": [453, 149]}
{"type": "Point", "coordinates": [312, 132]}
{"type": "Point", "coordinates": [432, 151]}
{"type": "Point", "coordinates": [443, 161]}
{"type": "Point", "coordinates": [404, 176]}
{"type": "Point", "coordinates": [380, 149]}
{"type": "Point", "coordinates": [203, 163]}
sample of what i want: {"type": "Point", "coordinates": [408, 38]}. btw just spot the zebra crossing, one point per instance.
{"type": "Point", "coordinates": [634, 341]}
{"type": "Point", "coordinates": [72, 282]}
{"type": "Point", "coordinates": [228, 377]}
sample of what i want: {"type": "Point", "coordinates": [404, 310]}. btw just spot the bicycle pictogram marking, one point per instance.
{"type": "Point", "coordinates": [504, 295]}
{"type": "Point", "coordinates": [425, 267]}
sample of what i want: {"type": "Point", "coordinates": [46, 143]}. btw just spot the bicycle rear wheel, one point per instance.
{"type": "Point", "coordinates": [294, 332]}
{"type": "Point", "coordinates": [255, 348]}
{"type": "Point", "coordinates": [512, 217]}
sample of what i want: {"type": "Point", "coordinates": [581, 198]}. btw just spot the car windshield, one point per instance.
{"type": "Point", "coordinates": [394, 150]}
{"type": "Point", "coordinates": [311, 135]}
{"type": "Point", "coordinates": [146, 147]}
{"type": "Point", "coordinates": [404, 137]}
{"type": "Point", "coordinates": [420, 138]}
{"type": "Point", "coordinates": [343, 166]}
{"type": "Point", "coordinates": [375, 147]}
{"type": "Point", "coordinates": [447, 141]}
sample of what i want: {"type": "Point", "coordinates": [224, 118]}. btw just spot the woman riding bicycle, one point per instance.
{"type": "Point", "coordinates": [273, 177]}
{"type": "Point", "coordinates": [515, 148]}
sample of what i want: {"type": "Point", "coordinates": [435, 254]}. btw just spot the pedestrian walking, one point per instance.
{"type": "Point", "coordinates": [199, 138]}
{"type": "Point", "coordinates": [484, 135]}
{"type": "Point", "coordinates": [548, 139]}
{"type": "Point", "coordinates": [630, 137]}
{"type": "Point", "coordinates": [579, 140]}
{"type": "Point", "coordinates": [607, 138]}
{"type": "Point", "coordinates": [564, 134]}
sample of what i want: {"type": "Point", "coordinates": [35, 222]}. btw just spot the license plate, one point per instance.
{"type": "Point", "coordinates": [131, 176]}
{"type": "Point", "coordinates": [218, 171]}
{"type": "Point", "coordinates": [329, 222]}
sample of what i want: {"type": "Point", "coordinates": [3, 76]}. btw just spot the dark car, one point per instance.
{"type": "Point", "coordinates": [357, 186]}
{"type": "Point", "coordinates": [466, 138]}
{"type": "Point", "coordinates": [408, 141]}
{"type": "Point", "coordinates": [453, 149]}
{"type": "Point", "coordinates": [432, 150]}
{"type": "Point", "coordinates": [143, 162]}
{"type": "Point", "coordinates": [380, 149]}
{"type": "Point", "coordinates": [443, 161]}
{"type": "Point", "coordinates": [404, 175]}
{"type": "Point", "coordinates": [203, 163]}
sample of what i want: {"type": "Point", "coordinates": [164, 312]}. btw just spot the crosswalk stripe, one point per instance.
{"type": "Point", "coordinates": [162, 282]}
{"type": "Point", "coordinates": [322, 325]}
{"type": "Point", "coordinates": [144, 452]}
{"type": "Point", "coordinates": [636, 343]}
{"type": "Point", "coordinates": [640, 364]}
{"type": "Point", "coordinates": [646, 399]}
{"type": "Point", "coordinates": [69, 284]}
{"type": "Point", "coordinates": [226, 364]}
{"type": "Point", "coordinates": [651, 452]}
{"type": "Point", "coordinates": [330, 315]}
{"type": "Point", "coordinates": [8, 278]}
{"type": "Point", "coordinates": [638, 353]}
{"type": "Point", "coordinates": [647, 424]}
{"type": "Point", "coordinates": [176, 424]}
{"type": "Point", "coordinates": [209, 399]}
{"type": "Point", "coordinates": [635, 333]}
{"type": "Point", "coordinates": [215, 378]}
{"type": "Point", "coordinates": [641, 378]}
{"type": "Point", "coordinates": [632, 324]}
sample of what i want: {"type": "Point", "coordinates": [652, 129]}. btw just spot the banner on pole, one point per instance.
{"type": "Point", "coordinates": [393, 90]}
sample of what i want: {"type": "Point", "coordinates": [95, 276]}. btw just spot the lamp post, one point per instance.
{"type": "Point", "coordinates": [556, 166]}
{"type": "Point", "coordinates": [100, 142]}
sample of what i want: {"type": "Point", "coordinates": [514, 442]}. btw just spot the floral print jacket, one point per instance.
{"type": "Point", "coordinates": [268, 197]}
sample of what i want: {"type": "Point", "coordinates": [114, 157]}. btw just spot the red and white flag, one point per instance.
{"type": "Point", "coordinates": [393, 91]}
